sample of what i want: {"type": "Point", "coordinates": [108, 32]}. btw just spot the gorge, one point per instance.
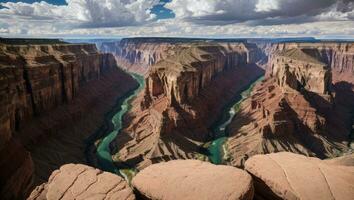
{"type": "Point", "coordinates": [131, 107]}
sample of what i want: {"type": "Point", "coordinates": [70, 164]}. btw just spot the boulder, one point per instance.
{"type": "Point", "coordinates": [291, 176]}
{"type": "Point", "coordinates": [77, 181]}
{"type": "Point", "coordinates": [193, 179]}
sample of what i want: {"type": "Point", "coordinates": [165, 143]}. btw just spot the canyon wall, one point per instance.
{"type": "Point", "coordinates": [183, 96]}
{"type": "Point", "coordinates": [139, 54]}
{"type": "Point", "coordinates": [296, 109]}
{"type": "Point", "coordinates": [338, 56]}
{"type": "Point", "coordinates": [135, 55]}
{"type": "Point", "coordinates": [34, 81]}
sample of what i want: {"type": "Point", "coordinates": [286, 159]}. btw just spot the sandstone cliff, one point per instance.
{"type": "Point", "coordinates": [184, 95]}
{"type": "Point", "coordinates": [294, 109]}
{"type": "Point", "coordinates": [135, 55]}
{"type": "Point", "coordinates": [338, 56]}
{"type": "Point", "coordinates": [35, 81]}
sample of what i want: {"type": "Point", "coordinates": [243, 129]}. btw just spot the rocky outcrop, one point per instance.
{"type": "Point", "coordinates": [76, 181]}
{"type": "Point", "coordinates": [297, 69]}
{"type": "Point", "coordinates": [40, 86]}
{"type": "Point", "coordinates": [292, 176]}
{"type": "Point", "coordinates": [338, 56]}
{"type": "Point", "coordinates": [293, 109]}
{"type": "Point", "coordinates": [171, 118]}
{"type": "Point", "coordinates": [193, 179]}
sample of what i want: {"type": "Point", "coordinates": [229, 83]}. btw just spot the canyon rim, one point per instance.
{"type": "Point", "coordinates": [176, 99]}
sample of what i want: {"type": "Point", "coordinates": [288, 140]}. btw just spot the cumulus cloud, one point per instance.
{"type": "Point", "coordinates": [258, 11]}
{"type": "Point", "coordinates": [198, 18]}
{"type": "Point", "coordinates": [83, 13]}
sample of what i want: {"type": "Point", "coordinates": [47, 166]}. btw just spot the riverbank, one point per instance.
{"type": "Point", "coordinates": [216, 149]}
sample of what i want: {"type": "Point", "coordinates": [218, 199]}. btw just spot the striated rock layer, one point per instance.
{"type": "Point", "coordinates": [38, 84]}
{"type": "Point", "coordinates": [184, 95]}
{"type": "Point", "coordinates": [76, 181]}
{"type": "Point", "coordinates": [135, 55]}
{"type": "Point", "coordinates": [193, 179]}
{"type": "Point", "coordinates": [139, 54]}
{"type": "Point", "coordinates": [294, 109]}
{"type": "Point", "coordinates": [339, 56]}
{"type": "Point", "coordinates": [291, 176]}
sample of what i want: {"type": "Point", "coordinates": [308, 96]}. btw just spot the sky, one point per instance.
{"type": "Point", "coordinates": [177, 18]}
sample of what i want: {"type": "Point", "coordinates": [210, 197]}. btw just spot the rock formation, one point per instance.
{"type": "Point", "coordinates": [293, 109]}
{"type": "Point", "coordinates": [135, 55]}
{"type": "Point", "coordinates": [41, 89]}
{"type": "Point", "coordinates": [76, 181]}
{"type": "Point", "coordinates": [182, 99]}
{"type": "Point", "coordinates": [193, 179]}
{"type": "Point", "coordinates": [291, 176]}
{"type": "Point", "coordinates": [338, 56]}
{"type": "Point", "coordinates": [139, 54]}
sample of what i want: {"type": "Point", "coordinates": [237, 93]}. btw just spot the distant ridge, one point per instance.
{"type": "Point", "coordinates": [24, 41]}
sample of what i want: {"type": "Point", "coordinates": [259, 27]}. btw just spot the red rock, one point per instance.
{"type": "Point", "coordinates": [76, 181]}
{"type": "Point", "coordinates": [45, 89]}
{"type": "Point", "coordinates": [297, 112]}
{"type": "Point", "coordinates": [292, 176]}
{"type": "Point", "coordinates": [170, 119]}
{"type": "Point", "coordinates": [193, 179]}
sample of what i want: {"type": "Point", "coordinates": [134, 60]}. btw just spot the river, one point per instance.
{"type": "Point", "coordinates": [216, 148]}
{"type": "Point", "coordinates": [104, 156]}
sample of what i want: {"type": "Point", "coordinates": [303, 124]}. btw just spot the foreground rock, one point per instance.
{"type": "Point", "coordinates": [292, 176]}
{"type": "Point", "coordinates": [193, 179]}
{"type": "Point", "coordinates": [76, 181]}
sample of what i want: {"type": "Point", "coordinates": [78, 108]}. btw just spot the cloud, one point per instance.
{"type": "Point", "coordinates": [197, 18]}
{"type": "Point", "coordinates": [83, 13]}
{"type": "Point", "coordinates": [256, 12]}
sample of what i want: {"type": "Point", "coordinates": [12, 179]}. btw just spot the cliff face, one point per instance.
{"type": "Point", "coordinates": [338, 56]}
{"type": "Point", "coordinates": [294, 109]}
{"type": "Point", "coordinates": [181, 100]}
{"type": "Point", "coordinates": [35, 80]}
{"type": "Point", "coordinates": [135, 55]}
{"type": "Point", "coordinates": [139, 54]}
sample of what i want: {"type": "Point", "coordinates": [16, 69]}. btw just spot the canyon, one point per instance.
{"type": "Point", "coordinates": [171, 107]}
{"type": "Point", "coordinates": [170, 119]}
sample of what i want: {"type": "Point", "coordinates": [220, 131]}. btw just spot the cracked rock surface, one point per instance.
{"type": "Point", "coordinates": [76, 181]}
{"type": "Point", "coordinates": [193, 179]}
{"type": "Point", "coordinates": [291, 176]}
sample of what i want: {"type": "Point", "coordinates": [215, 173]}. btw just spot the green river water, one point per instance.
{"type": "Point", "coordinates": [216, 148]}
{"type": "Point", "coordinates": [104, 156]}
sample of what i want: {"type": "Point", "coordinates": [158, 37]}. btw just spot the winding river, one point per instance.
{"type": "Point", "coordinates": [104, 156]}
{"type": "Point", "coordinates": [216, 149]}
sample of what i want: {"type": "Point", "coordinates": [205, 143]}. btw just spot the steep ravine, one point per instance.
{"type": "Point", "coordinates": [216, 151]}
{"type": "Point", "coordinates": [103, 154]}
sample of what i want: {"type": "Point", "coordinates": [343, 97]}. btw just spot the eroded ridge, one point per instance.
{"type": "Point", "coordinates": [294, 109]}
